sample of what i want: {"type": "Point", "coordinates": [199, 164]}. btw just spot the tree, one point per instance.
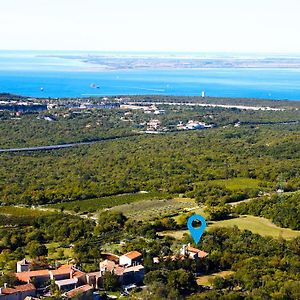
{"type": "Point", "coordinates": [111, 281]}
{"type": "Point", "coordinates": [37, 250]}
{"type": "Point", "coordinates": [220, 212]}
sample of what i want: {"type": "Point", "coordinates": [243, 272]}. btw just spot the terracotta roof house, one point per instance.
{"type": "Point", "coordinates": [66, 285]}
{"type": "Point", "coordinates": [94, 279]}
{"type": "Point", "coordinates": [84, 292]}
{"type": "Point", "coordinates": [131, 258]}
{"type": "Point", "coordinates": [126, 274]}
{"type": "Point", "coordinates": [18, 292]}
{"type": "Point", "coordinates": [192, 252]}
{"type": "Point", "coordinates": [64, 272]}
{"type": "Point", "coordinates": [39, 276]}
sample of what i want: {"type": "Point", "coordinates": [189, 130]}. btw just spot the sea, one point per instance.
{"type": "Point", "coordinates": [43, 74]}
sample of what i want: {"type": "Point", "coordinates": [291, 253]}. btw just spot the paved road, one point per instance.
{"type": "Point", "coordinates": [62, 146]}
{"type": "Point", "coordinates": [45, 148]}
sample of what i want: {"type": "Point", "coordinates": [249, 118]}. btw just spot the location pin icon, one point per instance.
{"type": "Point", "coordinates": [196, 233]}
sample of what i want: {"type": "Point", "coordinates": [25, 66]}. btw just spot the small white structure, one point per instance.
{"type": "Point", "coordinates": [203, 94]}
{"type": "Point", "coordinates": [132, 258]}
{"type": "Point", "coordinates": [192, 125]}
{"type": "Point", "coordinates": [23, 265]}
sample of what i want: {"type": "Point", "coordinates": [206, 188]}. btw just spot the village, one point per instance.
{"type": "Point", "coordinates": [68, 281]}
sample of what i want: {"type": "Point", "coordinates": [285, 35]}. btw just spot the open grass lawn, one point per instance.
{"type": "Point", "coordinates": [258, 225]}
{"type": "Point", "coordinates": [151, 209]}
{"type": "Point", "coordinates": [92, 205]}
{"type": "Point", "coordinates": [205, 280]}
{"type": "Point", "coordinates": [238, 183]}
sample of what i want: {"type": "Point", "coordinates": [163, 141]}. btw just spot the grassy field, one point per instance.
{"type": "Point", "coordinates": [93, 205]}
{"type": "Point", "coordinates": [238, 183]}
{"type": "Point", "coordinates": [151, 209]}
{"type": "Point", "coordinates": [206, 280]}
{"type": "Point", "coordinates": [257, 225]}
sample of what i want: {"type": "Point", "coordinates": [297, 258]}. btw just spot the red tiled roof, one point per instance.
{"type": "Point", "coordinates": [19, 288]}
{"type": "Point", "coordinates": [79, 290]}
{"type": "Point", "coordinates": [133, 254]}
{"type": "Point", "coordinates": [200, 253]}
{"type": "Point", "coordinates": [26, 276]}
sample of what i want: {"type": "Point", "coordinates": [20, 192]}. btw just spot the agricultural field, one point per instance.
{"type": "Point", "coordinates": [238, 183]}
{"type": "Point", "coordinates": [93, 205]}
{"type": "Point", "coordinates": [151, 209]}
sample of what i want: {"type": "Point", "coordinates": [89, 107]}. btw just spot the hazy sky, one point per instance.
{"type": "Point", "coordinates": [151, 25]}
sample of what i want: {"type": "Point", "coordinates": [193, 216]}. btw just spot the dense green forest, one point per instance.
{"type": "Point", "coordinates": [173, 163]}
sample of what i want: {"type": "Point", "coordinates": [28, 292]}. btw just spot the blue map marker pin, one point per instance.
{"type": "Point", "coordinates": [196, 233]}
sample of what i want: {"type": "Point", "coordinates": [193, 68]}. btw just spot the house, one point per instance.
{"type": "Point", "coordinates": [192, 252]}
{"type": "Point", "coordinates": [134, 274]}
{"type": "Point", "coordinates": [23, 265]}
{"type": "Point", "coordinates": [67, 277]}
{"type": "Point", "coordinates": [18, 292]}
{"type": "Point", "coordinates": [94, 279]}
{"type": "Point", "coordinates": [84, 292]}
{"type": "Point", "coordinates": [66, 285]}
{"type": "Point", "coordinates": [131, 258]}
{"type": "Point", "coordinates": [126, 274]}
{"type": "Point", "coordinates": [39, 276]}
{"type": "Point", "coordinates": [192, 125]}
{"type": "Point", "coordinates": [153, 124]}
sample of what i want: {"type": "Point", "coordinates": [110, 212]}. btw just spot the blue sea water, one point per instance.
{"type": "Point", "coordinates": [26, 73]}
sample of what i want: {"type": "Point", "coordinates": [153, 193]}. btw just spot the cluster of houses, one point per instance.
{"type": "Point", "coordinates": [193, 125]}
{"type": "Point", "coordinates": [147, 109]}
{"type": "Point", "coordinates": [71, 281]}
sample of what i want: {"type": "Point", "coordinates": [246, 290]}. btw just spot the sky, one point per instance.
{"type": "Point", "coordinates": [270, 26]}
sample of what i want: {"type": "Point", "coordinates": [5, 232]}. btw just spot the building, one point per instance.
{"type": "Point", "coordinates": [66, 277]}
{"type": "Point", "coordinates": [131, 259]}
{"type": "Point", "coordinates": [66, 285]}
{"type": "Point", "coordinates": [18, 292]}
{"type": "Point", "coordinates": [192, 253]}
{"type": "Point", "coordinates": [23, 265]}
{"type": "Point", "coordinates": [84, 292]}
{"type": "Point", "coordinates": [94, 279]}
{"type": "Point", "coordinates": [128, 274]}
{"type": "Point", "coordinates": [134, 274]}
{"type": "Point", "coordinates": [193, 125]}
{"type": "Point", "coordinates": [153, 124]}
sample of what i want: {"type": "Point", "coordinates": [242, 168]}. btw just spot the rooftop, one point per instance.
{"type": "Point", "coordinates": [26, 276]}
{"type": "Point", "coordinates": [66, 282]}
{"type": "Point", "coordinates": [19, 288]}
{"type": "Point", "coordinates": [133, 254]}
{"type": "Point", "coordinates": [79, 290]}
{"type": "Point", "coordinates": [200, 253]}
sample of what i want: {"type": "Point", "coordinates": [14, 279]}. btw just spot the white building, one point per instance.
{"type": "Point", "coordinates": [132, 258]}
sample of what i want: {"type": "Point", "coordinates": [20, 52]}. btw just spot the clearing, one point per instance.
{"type": "Point", "coordinates": [206, 280]}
